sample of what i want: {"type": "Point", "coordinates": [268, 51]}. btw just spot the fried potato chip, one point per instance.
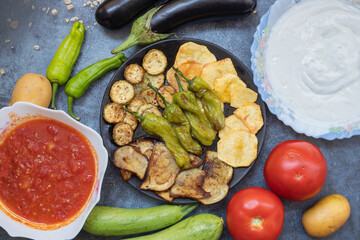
{"type": "Point", "coordinates": [193, 52]}
{"type": "Point", "coordinates": [223, 86]}
{"type": "Point", "coordinates": [242, 95]}
{"type": "Point", "coordinates": [213, 70]}
{"type": "Point", "coordinates": [231, 122]}
{"type": "Point", "coordinates": [190, 70]}
{"type": "Point", "coordinates": [250, 114]}
{"type": "Point", "coordinates": [238, 148]}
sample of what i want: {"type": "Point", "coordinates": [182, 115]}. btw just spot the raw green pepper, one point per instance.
{"type": "Point", "coordinates": [210, 100]}
{"type": "Point", "coordinates": [78, 84]}
{"type": "Point", "coordinates": [200, 126]}
{"type": "Point", "coordinates": [159, 126]}
{"type": "Point", "coordinates": [180, 125]}
{"type": "Point", "coordinates": [61, 65]}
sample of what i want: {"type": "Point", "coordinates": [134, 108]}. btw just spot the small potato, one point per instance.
{"type": "Point", "coordinates": [326, 216]}
{"type": "Point", "coordinates": [122, 92]}
{"type": "Point", "coordinates": [113, 113]}
{"type": "Point", "coordinates": [32, 88]}
{"type": "Point", "coordinates": [134, 73]}
{"type": "Point", "coordinates": [167, 92]}
{"type": "Point", "coordinates": [154, 62]}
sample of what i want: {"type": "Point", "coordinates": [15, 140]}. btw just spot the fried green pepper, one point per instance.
{"type": "Point", "coordinates": [159, 126]}
{"type": "Point", "coordinates": [180, 125]}
{"type": "Point", "coordinates": [210, 100]}
{"type": "Point", "coordinates": [60, 67]}
{"type": "Point", "coordinates": [78, 84]}
{"type": "Point", "coordinates": [201, 128]}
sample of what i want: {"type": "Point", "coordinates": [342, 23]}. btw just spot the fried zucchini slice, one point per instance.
{"type": "Point", "coordinates": [189, 184]}
{"type": "Point", "coordinates": [128, 158]}
{"type": "Point", "coordinates": [154, 62]}
{"type": "Point", "coordinates": [149, 96]}
{"type": "Point", "coordinates": [218, 176]}
{"type": "Point", "coordinates": [126, 175]}
{"type": "Point", "coordinates": [156, 80]}
{"type": "Point", "coordinates": [135, 104]}
{"type": "Point", "coordinates": [134, 73]}
{"type": "Point", "coordinates": [147, 108]}
{"type": "Point", "coordinates": [144, 145]}
{"type": "Point", "coordinates": [131, 120]}
{"type": "Point", "coordinates": [165, 195]}
{"type": "Point", "coordinates": [162, 170]}
{"type": "Point", "coordinates": [153, 110]}
{"type": "Point", "coordinates": [167, 92]}
{"type": "Point", "coordinates": [122, 92]}
{"type": "Point", "coordinates": [122, 133]}
{"type": "Point", "coordinates": [113, 113]}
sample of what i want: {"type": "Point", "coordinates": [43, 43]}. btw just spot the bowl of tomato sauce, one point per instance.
{"type": "Point", "coordinates": [51, 172]}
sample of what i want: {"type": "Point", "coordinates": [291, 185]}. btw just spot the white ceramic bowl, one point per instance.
{"type": "Point", "coordinates": [17, 229]}
{"type": "Point", "coordinates": [275, 105]}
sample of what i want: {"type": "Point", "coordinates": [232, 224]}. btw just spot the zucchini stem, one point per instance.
{"type": "Point", "coordinates": [186, 209]}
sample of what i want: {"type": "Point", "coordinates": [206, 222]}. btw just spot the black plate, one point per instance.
{"type": "Point", "coordinates": [170, 48]}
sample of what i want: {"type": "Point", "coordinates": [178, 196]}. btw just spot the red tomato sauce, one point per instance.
{"type": "Point", "coordinates": [47, 171]}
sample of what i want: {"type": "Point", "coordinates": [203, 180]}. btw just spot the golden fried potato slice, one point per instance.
{"type": "Point", "coordinates": [165, 195]}
{"type": "Point", "coordinates": [191, 51]}
{"type": "Point", "coordinates": [250, 115]}
{"type": "Point", "coordinates": [122, 92]}
{"type": "Point", "coordinates": [156, 80]}
{"type": "Point", "coordinates": [170, 77]}
{"type": "Point", "coordinates": [231, 122]}
{"type": "Point", "coordinates": [135, 104]}
{"type": "Point", "coordinates": [213, 70]}
{"type": "Point", "coordinates": [223, 86]}
{"type": "Point", "coordinates": [238, 148]}
{"type": "Point", "coordinates": [126, 175]}
{"type": "Point", "coordinates": [113, 113]}
{"type": "Point", "coordinates": [167, 92]}
{"type": "Point", "coordinates": [122, 133]}
{"type": "Point", "coordinates": [241, 95]}
{"type": "Point", "coordinates": [162, 170]}
{"type": "Point", "coordinates": [144, 145]}
{"type": "Point", "coordinates": [131, 120]}
{"type": "Point", "coordinates": [154, 62]}
{"type": "Point", "coordinates": [149, 96]}
{"type": "Point", "coordinates": [189, 184]}
{"type": "Point", "coordinates": [134, 73]}
{"type": "Point", "coordinates": [129, 159]}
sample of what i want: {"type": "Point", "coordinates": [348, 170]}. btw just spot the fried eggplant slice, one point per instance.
{"type": "Point", "coordinates": [126, 175]}
{"type": "Point", "coordinates": [218, 175]}
{"type": "Point", "coordinates": [144, 145]}
{"type": "Point", "coordinates": [189, 184]}
{"type": "Point", "coordinates": [195, 161]}
{"type": "Point", "coordinates": [165, 195]}
{"type": "Point", "coordinates": [162, 170]}
{"type": "Point", "coordinates": [130, 159]}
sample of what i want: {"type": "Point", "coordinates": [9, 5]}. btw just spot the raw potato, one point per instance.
{"type": "Point", "coordinates": [154, 62]}
{"type": "Point", "coordinates": [326, 216]}
{"type": "Point", "coordinates": [113, 113]}
{"type": "Point", "coordinates": [134, 73]}
{"type": "Point", "coordinates": [167, 92]}
{"type": "Point", "coordinates": [122, 92]}
{"type": "Point", "coordinates": [32, 88]}
{"type": "Point", "coordinates": [122, 134]}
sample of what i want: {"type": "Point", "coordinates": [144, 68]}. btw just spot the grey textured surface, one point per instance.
{"type": "Point", "coordinates": [234, 34]}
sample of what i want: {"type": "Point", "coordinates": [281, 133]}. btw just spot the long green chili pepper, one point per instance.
{"type": "Point", "coordinates": [180, 125]}
{"type": "Point", "coordinates": [201, 128]}
{"type": "Point", "coordinates": [141, 32]}
{"type": "Point", "coordinates": [60, 67]}
{"type": "Point", "coordinates": [159, 126]}
{"type": "Point", "coordinates": [210, 100]}
{"type": "Point", "coordinates": [78, 84]}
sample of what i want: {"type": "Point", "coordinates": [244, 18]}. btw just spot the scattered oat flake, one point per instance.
{"type": "Point", "coordinates": [81, 21]}
{"type": "Point", "coordinates": [2, 71]}
{"type": "Point", "coordinates": [30, 24]}
{"type": "Point", "coordinates": [67, 1]}
{"type": "Point", "coordinates": [8, 19]}
{"type": "Point", "coordinates": [95, 3]}
{"type": "Point", "coordinates": [44, 9]}
{"type": "Point", "coordinates": [54, 12]}
{"type": "Point", "coordinates": [26, 1]}
{"type": "Point", "coordinates": [14, 24]}
{"type": "Point", "coordinates": [32, 7]}
{"type": "Point", "coordinates": [95, 24]}
{"type": "Point", "coordinates": [88, 3]}
{"type": "Point", "coordinates": [74, 19]}
{"type": "Point", "coordinates": [7, 41]}
{"type": "Point", "coordinates": [67, 20]}
{"type": "Point", "coordinates": [92, 6]}
{"type": "Point", "coordinates": [47, 11]}
{"type": "Point", "coordinates": [88, 26]}
{"type": "Point", "coordinates": [254, 12]}
{"type": "Point", "coordinates": [69, 7]}
{"type": "Point", "coordinates": [37, 47]}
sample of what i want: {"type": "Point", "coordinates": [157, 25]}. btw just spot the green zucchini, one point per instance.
{"type": "Point", "coordinates": [203, 226]}
{"type": "Point", "coordinates": [110, 221]}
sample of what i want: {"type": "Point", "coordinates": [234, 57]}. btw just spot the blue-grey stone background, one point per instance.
{"type": "Point", "coordinates": [234, 34]}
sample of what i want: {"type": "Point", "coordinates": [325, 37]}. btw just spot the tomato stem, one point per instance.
{"type": "Point", "coordinates": [257, 222]}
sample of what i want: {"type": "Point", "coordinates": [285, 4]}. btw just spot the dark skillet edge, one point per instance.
{"type": "Point", "coordinates": [104, 127]}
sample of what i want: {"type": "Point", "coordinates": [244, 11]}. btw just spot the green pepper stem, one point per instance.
{"type": "Point", "coordinates": [178, 82]}
{"type": "Point", "coordinates": [141, 118]}
{"type": "Point", "coordinates": [160, 95]}
{"type": "Point", "coordinates": [70, 101]}
{"type": "Point", "coordinates": [54, 89]}
{"type": "Point", "coordinates": [181, 74]}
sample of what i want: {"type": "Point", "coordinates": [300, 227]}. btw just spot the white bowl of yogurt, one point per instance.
{"type": "Point", "coordinates": [306, 65]}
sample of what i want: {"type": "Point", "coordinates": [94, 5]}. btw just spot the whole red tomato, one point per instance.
{"type": "Point", "coordinates": [295, 170]}
{"type": "Point", "coordinates": [255, 214]}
